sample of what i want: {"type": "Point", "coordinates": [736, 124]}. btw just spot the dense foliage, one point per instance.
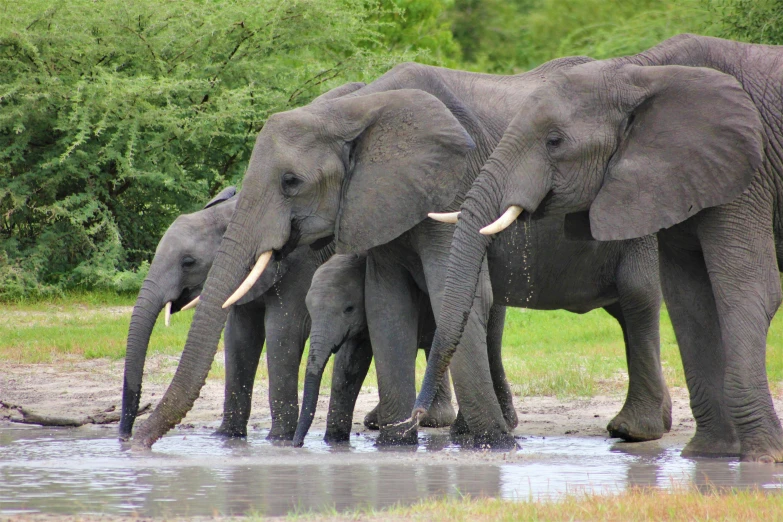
{"type": "Point", "coordinates": [116, 116]}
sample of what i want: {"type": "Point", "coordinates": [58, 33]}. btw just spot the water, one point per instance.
{"type": "Point", "coordinates": [190, 473]}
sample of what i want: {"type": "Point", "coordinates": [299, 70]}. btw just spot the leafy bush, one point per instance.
{"type": "Point", "coordinates": [117, 116]}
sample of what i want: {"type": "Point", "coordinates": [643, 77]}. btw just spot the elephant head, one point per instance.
{"type": "Point", "coordinates": [636, 149]}
{"type": "Point", "coordinates": [177, 273]}
{"type": "Point", "coordinates": [362, 169]}
{"type": "Point", "coordinates": [336, 305]}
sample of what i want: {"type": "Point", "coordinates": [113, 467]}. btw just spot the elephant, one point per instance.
{"type": "Point", "coordinates": [683, 141]}
{"type": "Point", "coordinates": [274, 310]}
{"type": "Point", "coordinates": [365, 169]}
{"type": "Point", "coordinates": [335, 301]}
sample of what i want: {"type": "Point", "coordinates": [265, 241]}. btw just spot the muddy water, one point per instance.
{"type": "Point", "coordinates": [86, 470]}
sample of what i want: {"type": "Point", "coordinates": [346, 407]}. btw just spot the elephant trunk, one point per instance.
{"type": "Point", "coordinates": [468, 247]}
{"type": "Point", "coordinates": [316, 363]}
{"type": "Point", "coordinates": [236, 252]}
{"type": "Point", "coordinates": [148, 305]}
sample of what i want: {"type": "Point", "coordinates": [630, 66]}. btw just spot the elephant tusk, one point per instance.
{"type": "Point", "coordinates": [191, 304]}
{"type": "Point", "coordinates": [168, 314]}
{"type": "Point", "coordinates": [508, 217]}
{"type": "Point", "coordinates": [251, 279]}
{"type": "Point", "coordinates": [444, 217]}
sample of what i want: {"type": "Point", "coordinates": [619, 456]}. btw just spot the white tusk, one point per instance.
{"type": "Point", "coordinates": [508, 217]}
{"type": "Point", "coordinates": [168, 313]}
{"type": "Point", "coordinates": [191, 304]}
{"type": "Point", "coordinates": [444, 217]}
{"type": "Point", "coordinates": [251, 279]}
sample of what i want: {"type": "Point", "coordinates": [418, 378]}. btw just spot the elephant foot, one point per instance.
{"type": "Point", "coordinates": [639, 421]}
{"type": "Point", "coordinates": [459, 428]}
{"type": "Point", "coordinates": [767, 451]}
{"type": "Point", "coordinates": [371, 419]}
{"type": "Point", "coordinates": [337, 437]}
{"type": "Point", "coordinates": [440, 414]}
{"type": "Point", "coordinates": [711, 446]}
{"type": "Point", "coordinates": [495, 441]}
{"type": "Point", "coordinates": [401, 433]}
{"type": "Point", "coordinates": [510, 415]}
{"type": "Point", "coordinates": [231, 432]}
{"type": "Point", "coordinates": [280, 435]}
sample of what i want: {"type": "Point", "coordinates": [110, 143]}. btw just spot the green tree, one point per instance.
{"type": "Point", "coordinates": [116, 116]}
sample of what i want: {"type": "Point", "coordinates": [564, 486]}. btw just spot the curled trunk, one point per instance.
{"type": "Point", "coordinates": [468, 248]}
{"type": "Point", "coordinates": [316, 363]}
{"type": "Point", "coordinates": [148, 305]}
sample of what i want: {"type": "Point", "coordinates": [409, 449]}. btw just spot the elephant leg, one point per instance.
{"type": "Point", "coordinates": [392, 319]}
{"type": "Point", "coordinates": [470, 367]}
{"type": "Point", "coordinates": [286, 333]}
{"type": "Point", "coordinates": [350, 368]}
{"type": "Point", "coordinates": [688, 295]}
{"type": "Point", "coordinates": [371, 419]}
{"type": "Point", "coordinates": [441, 413]}
{"type": "Point", "coordinates": [647, 412]}
{"type": "Point", "coordinates": [742, 266]}
{"type": "Point", "coordinates": [243, 342]}
{"type": "Point", "coordinates": [495, 325]}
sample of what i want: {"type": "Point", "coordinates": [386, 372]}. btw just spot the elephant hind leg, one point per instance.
{"type": "Point", "coordinates": [739, 252]}
{"type": "Point", "coordinates": [689, 299]}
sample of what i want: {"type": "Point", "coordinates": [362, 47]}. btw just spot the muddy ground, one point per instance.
{"type": "Point", "coordinates": [76, 388]}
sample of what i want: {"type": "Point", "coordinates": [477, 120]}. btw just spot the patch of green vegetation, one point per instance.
{"type": "Point", "coordinates": [545, 352]}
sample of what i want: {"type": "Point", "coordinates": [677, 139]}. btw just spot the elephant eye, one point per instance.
{"type": "Point", "coordinates": [290, 182]}
{"type": "Point", "coordinates": [188, 262]}
{"type": "Point", "coordinates": [348, 309]}
{"type": "Point", "coordinates": [554, 141]}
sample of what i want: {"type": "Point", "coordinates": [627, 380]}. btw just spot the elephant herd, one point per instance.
{"type": "Point", "coordinates": [581, 184]}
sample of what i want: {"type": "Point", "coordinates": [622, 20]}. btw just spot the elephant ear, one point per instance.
{"type": "Point", "coordinates": [405, 156]}
{"type": "Point", "coordinates": [692, 139]}
{"type": "Point", "coordinates": [224, 195]}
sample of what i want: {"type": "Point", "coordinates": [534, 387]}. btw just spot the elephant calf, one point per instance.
{"type": "Point", "coordinates": [336, 305]}
{"type": "Point", "coordinates": [274, 310]}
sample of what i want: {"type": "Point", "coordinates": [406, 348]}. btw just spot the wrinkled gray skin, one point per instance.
{"type": "Point", "coordinates": [274, 311]}
{"type": "Point", "coordinates": [679, 148]}
{"type": "Point", "coordinates": [367, 168]}
{"type": "Point", "coordinates": [339, 326]}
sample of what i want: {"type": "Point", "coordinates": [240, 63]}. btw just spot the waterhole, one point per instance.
{"type": "Point", "coordinates": [191, 473]}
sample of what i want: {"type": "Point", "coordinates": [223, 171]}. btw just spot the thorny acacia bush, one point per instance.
{"type": "Point", "coordinates": [117, 116]}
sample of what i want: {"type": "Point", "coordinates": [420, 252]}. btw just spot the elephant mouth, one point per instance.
{"type": "Point", "coordinates": [187, 295]}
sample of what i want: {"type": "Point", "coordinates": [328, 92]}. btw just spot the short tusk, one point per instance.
{"type": "Point", "coordinates": [168, 314]}
{"type": "Point", "coordinates": [508, 217]}
{"type": "Point", "coordinates": [191, 304]}
{"type": "Point", "coordinates": [251, 279]}
{"type": "Point", "coordinates": [444, 217]}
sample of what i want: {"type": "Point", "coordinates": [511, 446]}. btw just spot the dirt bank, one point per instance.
{"type": "Point", "coordinates": [75, 387]}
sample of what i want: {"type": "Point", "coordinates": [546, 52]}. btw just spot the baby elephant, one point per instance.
{"type": "Point", "coordinates": [339, 326]}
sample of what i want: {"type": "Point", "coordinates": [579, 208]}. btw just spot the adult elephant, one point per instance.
{"type": "Point", "coordinates": [273, 311]}
{"type": "Point", "coordinates": [366, 169]}
{"type": "Point", "coordinates": [671, 141]}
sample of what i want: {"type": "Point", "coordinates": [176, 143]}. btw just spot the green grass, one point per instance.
{"type": "Point", "coordinates": [545, 352]}
{"type": "Point", "coordinates": [634, 505]}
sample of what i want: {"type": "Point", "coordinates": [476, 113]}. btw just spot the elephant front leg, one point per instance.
{"type": "Point", "coordinates": [740, 257]}
{"type": "Point", "coordinates": [392, 319]}
{"type": "Point", "coordinates": [286, 336]}
{"type": "Point", "coordinates": [495, 324]}
{"type": "Point", "coordinates": [350, 368]}
{"type": "Point", "coordinates": [243, 340]}
{"type": "Point", "coordinates": [647, 412]}
{"type": "Point", "coordinates": [688, 295]}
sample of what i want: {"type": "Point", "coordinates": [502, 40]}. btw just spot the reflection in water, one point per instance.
{"type": "Point", "coordinates": [89, 471]}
